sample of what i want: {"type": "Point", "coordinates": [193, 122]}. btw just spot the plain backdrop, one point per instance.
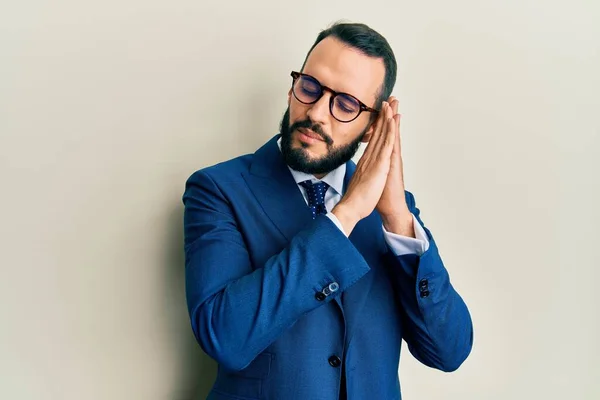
{"type": "Point", "coordinates": [107, 107]}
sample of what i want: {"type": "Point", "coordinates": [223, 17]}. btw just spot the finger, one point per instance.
{"type": "Point", "coordinates": [394, 105]}
{"type": "Point", "coordinates": [374, 147]}
{"type": "Point", "coordinates": [392, 135]}
{"type": "Point", "coordinates": [387, 143]}
{"type": "Point", "coordinates": [393, 102]}
{"type": "Point", "coordinates": [391, 129]}
{"type": "Point", "coordinates": [397, 144]}
{"type": "Point", "coordinates": [366, 158]}
{"type": "Point", "coordinates": [397, 153]}
{"type": "Point", "coordinates": [398, 118]}
{"type": "Point", "coordinates": [383, 158]}
{"type": "Point", "coordinates": [383, 134]}
{"type": "Point", "coordinates": [377, 130]}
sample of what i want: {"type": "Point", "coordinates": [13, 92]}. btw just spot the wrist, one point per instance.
{"type": "Point", "coordinates": [400, 224]}
{"type": "Point", "coordinates": [346, 215]}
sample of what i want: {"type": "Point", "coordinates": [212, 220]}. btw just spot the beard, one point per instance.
{"type": "Point", "coordinates": [298, 159]}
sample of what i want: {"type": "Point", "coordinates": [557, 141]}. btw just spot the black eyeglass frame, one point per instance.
{"type": "Point", "coordinates": [363, 107]}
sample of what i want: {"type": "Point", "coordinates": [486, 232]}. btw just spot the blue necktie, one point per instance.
{"type": "Point", "coordinates": [316, 196]}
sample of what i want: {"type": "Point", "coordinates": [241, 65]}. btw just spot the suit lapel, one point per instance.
{"type": "Point", "coordinates": [275, 189]}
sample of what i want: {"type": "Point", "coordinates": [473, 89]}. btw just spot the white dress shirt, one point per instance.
{"type": "Point", "coordinates": [399, 244]}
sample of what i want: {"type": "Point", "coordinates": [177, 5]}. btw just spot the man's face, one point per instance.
{"type": "Point", "coordinates": [343, 69]}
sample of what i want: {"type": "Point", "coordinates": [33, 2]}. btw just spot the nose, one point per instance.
{"type": "Point", "coordinates": [319, 111]}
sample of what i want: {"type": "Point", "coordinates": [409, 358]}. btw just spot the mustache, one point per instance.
{"type": "Point", "coordinates": [308, 124]}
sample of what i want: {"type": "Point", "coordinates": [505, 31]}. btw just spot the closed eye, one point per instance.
{"type": "Point", "coordinates": [346, 104]}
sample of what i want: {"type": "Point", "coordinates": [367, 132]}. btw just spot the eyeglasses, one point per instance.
{"type": "Point", "coordinates": [342, 106]}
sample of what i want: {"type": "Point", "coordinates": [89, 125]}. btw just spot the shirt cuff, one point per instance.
{"type": "Point", "coordinates": [402, 245]}
{"type": "Point", "coordinates": [336, 221]}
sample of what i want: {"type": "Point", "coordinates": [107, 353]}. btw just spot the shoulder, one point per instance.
{"type": "Point", "coordinates": [226, 170]}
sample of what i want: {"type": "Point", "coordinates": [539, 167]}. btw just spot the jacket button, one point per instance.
{"type": "Point", "coordinates": [335, 361]}
{"type": "Point", "coordinates": [423, 283]}
{"type": "Point", "coordinates": [332, 287]}
{"type": "Point", "coordinates": [425, 293]}
{"type": "Point", "coordinates": [320, 296]}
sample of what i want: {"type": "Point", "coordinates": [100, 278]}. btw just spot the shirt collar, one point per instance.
{"type": "Point", "coordinates": [335, 178]}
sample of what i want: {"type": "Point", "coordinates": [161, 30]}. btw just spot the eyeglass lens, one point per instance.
{"type": "Point", "coordinates": [308, 90]}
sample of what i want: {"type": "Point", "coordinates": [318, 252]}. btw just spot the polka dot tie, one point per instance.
{"type": "Point", "coordinates": [316, 196]}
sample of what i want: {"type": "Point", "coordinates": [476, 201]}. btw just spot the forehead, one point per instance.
{"type": "Point", "coordinates": [345, 69]}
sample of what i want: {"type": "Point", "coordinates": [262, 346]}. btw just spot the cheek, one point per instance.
{"type": "Point", "coordinates": [344, 135]}
{"type": "Point", "coordinates": [297, 112]}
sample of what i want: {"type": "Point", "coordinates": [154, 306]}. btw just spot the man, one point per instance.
{"type": "Point", "coordinates": [304, 271]}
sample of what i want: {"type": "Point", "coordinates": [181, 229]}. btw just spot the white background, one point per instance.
{"type": "Point", "coordinates": [107, 107]}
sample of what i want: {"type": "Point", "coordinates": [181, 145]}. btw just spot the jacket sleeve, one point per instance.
{"type": "Point", "coordinates": [437, 325]}
{"type": "Point", "coordinates": [238, 309]}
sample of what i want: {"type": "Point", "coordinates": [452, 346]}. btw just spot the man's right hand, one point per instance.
{"type": "Point", "coordinates": [369, 179]}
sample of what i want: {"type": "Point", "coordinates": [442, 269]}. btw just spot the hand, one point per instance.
{"type": "Point", "coordinates": [368, 182]}
{"type": "Point", "coordinates": [392, 205]}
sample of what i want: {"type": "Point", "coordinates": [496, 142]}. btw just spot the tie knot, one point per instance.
{"type": "Point", "coordinates": [316, 196]}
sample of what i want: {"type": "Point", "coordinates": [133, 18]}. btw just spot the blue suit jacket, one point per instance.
{"type": "Point", "coordinates": [275, 296]}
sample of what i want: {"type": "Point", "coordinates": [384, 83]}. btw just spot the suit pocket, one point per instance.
{"type": "Point", "coordinates": [248, 382]}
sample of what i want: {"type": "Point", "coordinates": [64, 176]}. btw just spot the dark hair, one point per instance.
{"type": "Point", "coordinates": [370, 43]}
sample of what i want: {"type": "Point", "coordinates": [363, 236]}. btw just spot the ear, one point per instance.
{"type": "Point", "coordinates": [289, 96]}
{"type": "Point", "coordinates": [369, 132]}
